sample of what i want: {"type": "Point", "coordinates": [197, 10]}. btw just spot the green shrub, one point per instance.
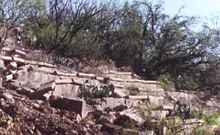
{"type": "Point", "coordinates": [167, 82]}
{"type": "Point", "coordinates": [210, 119]}
{"type": "Point", "coordinates": [213, 119]}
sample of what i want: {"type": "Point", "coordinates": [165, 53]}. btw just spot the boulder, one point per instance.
{"type": "Point", "coordinates": [75, 105]}
{"type": "Point", "coordinates": [118, 130]}
{"type": "Point", "coordinates": [66, 90]}
{"type": "Point", "coordinates": [112, 103]}
{"type": "Point", "coordinates": [134, 115]}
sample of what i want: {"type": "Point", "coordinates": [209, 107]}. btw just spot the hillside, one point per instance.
{"type": "Point", "coordinates": [41, 98]}
{"type": "Point", "coordinates": [91, 67]}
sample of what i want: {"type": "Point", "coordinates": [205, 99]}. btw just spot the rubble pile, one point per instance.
{"type": "Point", "coordinates": [39, 98]}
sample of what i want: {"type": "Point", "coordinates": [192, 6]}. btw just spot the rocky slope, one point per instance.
{"type": "Point", "coordinates": [40, 98]}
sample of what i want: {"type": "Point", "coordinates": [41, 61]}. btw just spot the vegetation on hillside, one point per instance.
{"type": "Point", "coordinates": [137, 34]}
